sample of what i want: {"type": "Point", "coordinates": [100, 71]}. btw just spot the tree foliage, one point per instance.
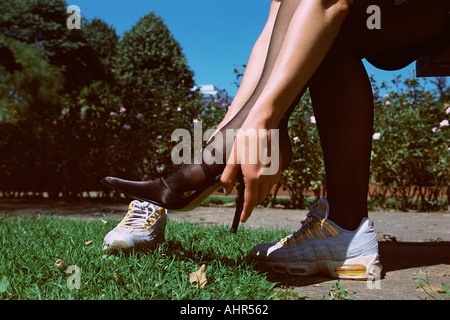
{"type": "Point", "coordinates": [77, 105]}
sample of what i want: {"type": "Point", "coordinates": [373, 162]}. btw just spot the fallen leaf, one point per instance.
{"type": "Point", "coordinates": [199, 277]}
{"type": "Point", "coordinates": [88, 243]}
{"type": "Point", "coordinates": [59, 263]}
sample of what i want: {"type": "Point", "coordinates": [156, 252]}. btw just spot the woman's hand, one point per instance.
{"type": "Point", "coordinates": [256, 152]}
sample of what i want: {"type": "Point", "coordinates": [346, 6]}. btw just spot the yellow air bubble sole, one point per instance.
{"type": "Point", "coordinates": [351, 270]}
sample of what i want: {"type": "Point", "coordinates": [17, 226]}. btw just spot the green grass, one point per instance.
{"type": "Point", "coordinates": [29, 248]}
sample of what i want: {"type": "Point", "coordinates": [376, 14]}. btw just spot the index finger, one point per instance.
{"type": "Point", "coordinates": [250, 198]}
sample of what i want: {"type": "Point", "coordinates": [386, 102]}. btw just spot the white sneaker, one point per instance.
{"type": "Point", "coordinates": [141, 229]}
{"type": "Point", "coordinates": [321, 246]}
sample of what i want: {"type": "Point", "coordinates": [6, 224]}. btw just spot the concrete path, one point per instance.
{"type": "Point", "coordinates": [409, 243]}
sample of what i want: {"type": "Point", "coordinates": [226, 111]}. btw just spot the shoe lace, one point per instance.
{"type": "Point", "coordinates": [311, 216]}
{"type": "Point", "coordinates": [141, 215]}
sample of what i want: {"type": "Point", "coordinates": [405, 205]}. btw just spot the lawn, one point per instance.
{"type": "Point", "coordinates": [48, 257]}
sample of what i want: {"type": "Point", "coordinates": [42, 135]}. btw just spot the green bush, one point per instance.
{"type": "Point", "coordinates": [410, 162]}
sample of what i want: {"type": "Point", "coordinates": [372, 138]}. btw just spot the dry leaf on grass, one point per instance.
{"type": "Point", "coordinates": [59, 263]}
{"type": "Point", "coordinates": [88, 243]}
{"type": "Point", "coordinates": [198, 277]}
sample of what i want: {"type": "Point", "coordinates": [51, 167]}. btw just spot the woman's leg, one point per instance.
{"type": "Point", "coordinates": [343, 106]}
{"type": "Point", "coordinates": [304, 42]}
{"type": "Point", "coordinates": [255, 65]}
{"type": "Point", "coordinates": [193, 176]}
{"type": "Point", "coordinates": [342, 96]}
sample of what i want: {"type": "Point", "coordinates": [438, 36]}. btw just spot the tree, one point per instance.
{"type": "Point", "coordinates": [157, 94]}
{"type": "Point", "coordinates": [33, 85]}
{"type": "Point", "coordinates": [76, 105]}
{"type": "Point", "coordinates": [42, 23]}
{"type": "Point", "coordinates": [103, 40]}
{"type": "Point", "coordinates": [149, 57]}
{"type": "Point", "coordinates": [47, 116]}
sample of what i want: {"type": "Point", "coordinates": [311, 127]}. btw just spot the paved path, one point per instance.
{"type": "Point", "coordinates": [422, 244]}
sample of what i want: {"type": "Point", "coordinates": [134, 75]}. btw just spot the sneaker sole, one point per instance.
{"type": "Point", "coordinates": [116, 245]}
{"type": "Point", "coordinates": [359, 268]}
{"type": "Point", "coordinates": [121, 245]}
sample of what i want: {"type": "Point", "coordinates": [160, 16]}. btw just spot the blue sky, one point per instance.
{"type": "Point", "coordinates": [216, 35]}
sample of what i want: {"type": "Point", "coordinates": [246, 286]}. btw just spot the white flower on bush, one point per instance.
{"type": "Point", "coordinates": [313, 119]}
{"type": "Point", "coordinates": [447, 111]}
{"type": "Point", "coordinates": [296, 139]}
{"type": "Point", "coordinates": [376, 136]}
{"type": "Point", "coordinates": [435, 129]}
{"type": "Point", "coordinates": [443, 123]}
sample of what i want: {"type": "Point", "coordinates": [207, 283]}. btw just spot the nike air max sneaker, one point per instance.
{"type": "Point", "coordinates": [321, 246]}
{"type": "Point", "coordinates": [141, 229]}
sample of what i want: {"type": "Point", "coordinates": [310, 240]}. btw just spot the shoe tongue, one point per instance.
{"type": "Point", "coordinates": [320, 209]}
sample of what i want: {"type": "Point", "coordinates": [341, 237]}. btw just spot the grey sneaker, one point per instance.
{"type": "Point", "coordinates": [321, 246]}
{"type": "Point", "coordinates": [141, 229]}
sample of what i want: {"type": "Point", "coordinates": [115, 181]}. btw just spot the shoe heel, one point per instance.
{"type": "Point", "coordinates": [239, 203]}
{"type": "Point", "coordinates": [360, 268]}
